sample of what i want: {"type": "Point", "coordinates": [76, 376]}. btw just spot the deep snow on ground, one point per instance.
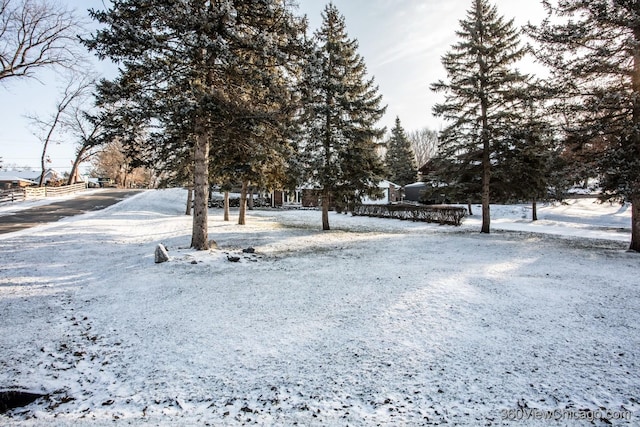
{"type": "Point", "coordinates": [377, 322]}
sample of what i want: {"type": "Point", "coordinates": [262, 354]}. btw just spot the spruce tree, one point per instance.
{"type": "Point", "coordinates": [198, 62]}
{"type": "Point", "coordinates": [339, 120]}
{"type": "Point", "coordinates": [454, 177]}
{"type": "Point", "coordinates": [400, 160]}
{"type": "Point", "coordinates": [526, 166]}
{"type": "Point", "coordinates": [593, 49]}
{"type": "Point", "coordinates": [479, 93]}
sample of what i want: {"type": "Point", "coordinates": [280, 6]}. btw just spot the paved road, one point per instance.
{"type": "Point", "coordinates": [55, 211]}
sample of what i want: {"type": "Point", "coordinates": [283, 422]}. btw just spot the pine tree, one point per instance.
{"type": "Point", "coordinates": [257, 158]}
{"type": "Point", "coordinates": [198, 63]}
{"type": "Point", "coordinates": [526, 166]}
{"type": "Point", "coordinates": [339, 120]}
{"type": "Point", "coordinates": [480, 93]}
{"type": "Point", "coordinates": [400, 160]}
{"type": "Point", "coordinates": [593, 51]}
{"type": "Point", "coordinates": [454, 177]}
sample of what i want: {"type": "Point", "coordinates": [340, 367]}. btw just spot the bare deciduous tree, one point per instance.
{"type": "Point", "coordinates": [112, 162]}
{"type": "Point", "coordinates": [76, 88]}
{"type": "Point", "coordinates": [424, 143]}
{"type": "Point", "coordinates": [88, 131]}
{"type": "Point", "coordinates": [35, 34]}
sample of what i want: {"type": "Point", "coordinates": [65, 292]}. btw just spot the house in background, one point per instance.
{"type": "Point", "coordinates": [50, 176]}
{"type": "Point", "coordinates": [308, 197]}
{"type": "Point", "coordinates": [392, 193]}
{"type": "Point", "coordinates": [286, 198]}
{"type": "Point", "coordinates": [301, 197]}
{"type": "Point", "coordinates": [10, 180]}
{"type": "Point", "coordinates": [415, 192]}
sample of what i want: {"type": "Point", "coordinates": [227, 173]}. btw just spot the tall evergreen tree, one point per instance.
{"type": "Point", "coordinates": [454, 177]}
{"type": "Point", "coordinates": [480, 92]}
{"type": "Point", "coordinates": [339, 120]}
{"type": "Point", "coordinates": [593, 50]}
{"type": "Point", "coordinates": [198, 62]}
{"type": "Point", "coordinates": [526, 166]}
{"type": "Point", "coordinates": [400, 160]}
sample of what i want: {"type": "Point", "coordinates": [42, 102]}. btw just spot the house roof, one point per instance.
{"type": "Point", "coordinates": [22, 175]}
{"type": "Point", "coordinates": [418, 184]}
{"type": "Point", "coordinates": [11, 177]}
{"type": "Point", "coordinates": [427, 167]}
{"type": "Point", "coordinates": [385, 184]}
{"type": "Point", "coordinates": [30, 175]}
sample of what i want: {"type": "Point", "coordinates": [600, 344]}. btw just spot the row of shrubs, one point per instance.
{"type": "Point", "coordinates": [234, 202]}
{"type": "Point", "coordinates": [439, 214]}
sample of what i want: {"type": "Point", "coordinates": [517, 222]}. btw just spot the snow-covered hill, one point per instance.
{"type": "Point", "coordinates": [376, 322]}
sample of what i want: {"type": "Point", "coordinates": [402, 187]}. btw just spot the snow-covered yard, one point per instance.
{"type": "Point", "coordinates": [378, 322]}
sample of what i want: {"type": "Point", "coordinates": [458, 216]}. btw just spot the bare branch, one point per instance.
{"type": "Point", "coordinates": [36, 34]}
{"type": "Point", "coordinates": [424, 143]}
{"type": "Point", "coordinates": [77, 87]}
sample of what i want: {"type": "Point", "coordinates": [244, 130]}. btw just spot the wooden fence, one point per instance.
{"type": "Point", "coordinates": [19, 194]}
{"type": "Point", "coordinates": [439, 214]}
{"type": "Point", "coordinates": [65, 189]}
{"type": "Point", "coordinates": [8, 196]}
{"type": "Point", "coordinates": [35, 192]}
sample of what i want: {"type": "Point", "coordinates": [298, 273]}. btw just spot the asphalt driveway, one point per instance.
{"type": "Point", "coordinates": [61, 209]}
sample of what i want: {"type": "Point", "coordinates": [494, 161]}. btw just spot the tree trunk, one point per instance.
{"type": "Point", "coordinates": [486, 212]}
{"type": "Point", "coordinates": [226, 206]}
{"type": "Point", "coordinates": [243, 204]}
{"type": "Point", "coordinates": [43, 161]}
{"type": "Point", "coordinates": [189, 201]}
{"type": "Point", "coordinates": [486, 187]}
{"type": "Point", "coordinates": [469, 207]}
{"type": "Point", "coordinates": [534, 210]}
{"type": "Point", "coordinates": [76, 164]}
{"type": "Point", "coordinates": [635, 185]}
{"type": "Point", "coordinates": [250, 205]}
{"type": "Point", "coordinates": [486, 141]}
{"type": "Point", "coordinates": [200, 232]}
{"type": "Point", "coordinates": [635, 224]}
{"type": "Point", "coordinates": [325, 210]}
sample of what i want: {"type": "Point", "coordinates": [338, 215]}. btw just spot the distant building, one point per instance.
{"type": "Point", "coordinates": [415, 192]}
{"type": "Point", "coordinates": [9, 180]}
{"type": "Point", "coordinates": [301, 197]}
{"type": "Point", "coordinates": [50, 175]}
{"type": "Point", "coordinates": [392, 193]}
{"type": "Point", "coordinates": [309, 197]}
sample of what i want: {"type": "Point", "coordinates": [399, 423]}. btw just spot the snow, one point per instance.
{"type": "Point", "coordinates": [582, 217]}
{"type": "Point", "coordinates": [377, 322]}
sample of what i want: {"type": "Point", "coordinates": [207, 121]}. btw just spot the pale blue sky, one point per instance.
{"type": "Point", "coordinates": [402, 42]}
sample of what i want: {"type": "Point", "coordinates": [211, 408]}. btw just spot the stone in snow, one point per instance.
{"type": "Point", "coordinates": [161, 254]}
